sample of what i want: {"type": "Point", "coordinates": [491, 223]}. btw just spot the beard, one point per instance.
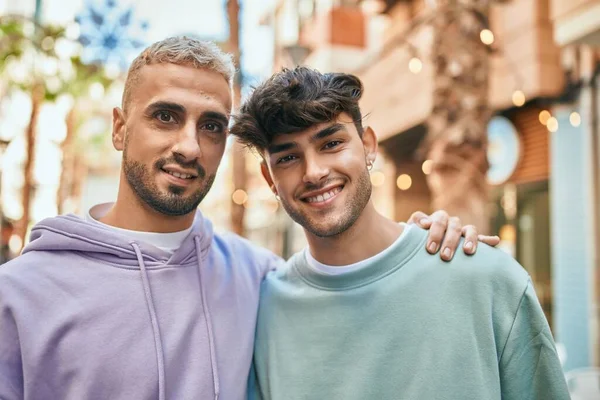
{"type": "Point", "coordinates": [172, 203]}
{"type": "Point", "coordinates": [333, 225]}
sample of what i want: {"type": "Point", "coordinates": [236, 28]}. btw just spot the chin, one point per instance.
{"type": "Point", "coordinates": [322, 228]}
{"type": "Point", "coordinates": [325, 232]}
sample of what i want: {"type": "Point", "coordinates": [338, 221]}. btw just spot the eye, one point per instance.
{"type": "Point", "coordinates": [164, 116]}
{"type": "Point", "coordinates": [213, 127]}
{"type": "Point", "coordinates": [286, 159]}
{"type": "Point", "coordinates": [332, 144]}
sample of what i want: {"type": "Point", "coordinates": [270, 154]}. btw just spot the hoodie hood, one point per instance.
{"type": "Point", "coordinates": [73, 233]}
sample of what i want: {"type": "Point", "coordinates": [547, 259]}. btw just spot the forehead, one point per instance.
{"type": "Point", "coordinates": [186, 85]}
{"type": "Point", "coordinates": [305, 136]}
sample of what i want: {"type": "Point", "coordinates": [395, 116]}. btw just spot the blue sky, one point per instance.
{"type": "Point", "coordinates": [204, 18]}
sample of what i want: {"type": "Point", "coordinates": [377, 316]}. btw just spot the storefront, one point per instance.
{"type": "Point", "coordinates": [519, 193]}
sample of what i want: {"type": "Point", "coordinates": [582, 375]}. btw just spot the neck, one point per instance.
{"type": "Point", "coordinates": [352, 245]}
{"type": "Point", "coordinates": [132, 213]}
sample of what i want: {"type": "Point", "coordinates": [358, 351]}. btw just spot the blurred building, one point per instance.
{"type": "Point", "coordinates": [544, 176]}
{"type": "Point", "coordinates": [575, 180]}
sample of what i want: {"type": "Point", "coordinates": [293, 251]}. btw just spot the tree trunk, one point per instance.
{"type": "Point", "coordinates": [65, 187]}
{"type": "Point", "coordinates": [238, 153]}
{"type": "Point", "coordinates": [37, 96]}
{"type": "Point", "coordinates": [79, 175]}
{"type": "Point", "coordinates": [457, 127]}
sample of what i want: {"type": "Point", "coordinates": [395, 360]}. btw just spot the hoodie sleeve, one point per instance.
{"type": "Point", "coordinates": [11, 368]}
{"type": "Point", "coordinates": [529, 365]}
{"type": "Point", "coordinates": [263, 260]}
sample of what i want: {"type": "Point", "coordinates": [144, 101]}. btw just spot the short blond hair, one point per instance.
{"type": "Point", "coordinates": [180, 50]}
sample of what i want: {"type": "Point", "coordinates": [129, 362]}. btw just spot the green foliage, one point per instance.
{"type": "Point", "coordinates": [20, 38]}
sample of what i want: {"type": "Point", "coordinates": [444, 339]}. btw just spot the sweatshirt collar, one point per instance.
{"type": "Point", "coordinates": [400, 253]}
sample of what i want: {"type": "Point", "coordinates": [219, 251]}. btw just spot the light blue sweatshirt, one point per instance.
{"type": "Point", "coordinates": [89, 314]}
{"type": "Point", "coordinates": [405, 327]}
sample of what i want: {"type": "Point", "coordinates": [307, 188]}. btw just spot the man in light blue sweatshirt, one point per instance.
{"type": "Point", "coordinates": [364, 312]}
{"type": "Point", "coordinates": [140, 299]}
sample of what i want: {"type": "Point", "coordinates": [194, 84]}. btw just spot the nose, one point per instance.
{"type": "Point", "coordinates": [187, 145]}
{"type": "Point", "coordinates": [315, 170]}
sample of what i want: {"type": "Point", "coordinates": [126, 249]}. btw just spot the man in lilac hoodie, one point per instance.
{"type": "Point", "coordinates": [140, 300]}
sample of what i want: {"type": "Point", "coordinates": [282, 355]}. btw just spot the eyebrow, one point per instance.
{"type": "Point", "coordinates": [165, 105]}
{"type": "Point", "coordinates": [216, 116]}
{"type": "Point", "coordinates": [323, 133]}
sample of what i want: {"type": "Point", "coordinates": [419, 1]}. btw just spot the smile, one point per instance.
{"type": "Point", "coordinates": [181, 176]}
{"type": "Point", "coordinates": [177, 174]}
{"type": "Point", "coordinates": [320, 198]}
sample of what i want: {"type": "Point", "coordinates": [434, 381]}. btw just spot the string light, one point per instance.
{"type": "Point", "coordinates": [404, 182]}
{"type": "Point", "coordinates": [486, 36]}
{"type": "Point", "coordinates": [377, 178]}
{"type": "Point", "coordinates": [427, 166]}
{"type": "Point", "coordinates": [544, 116]}
{"type": "Point", "coordinates": [575, 119]}
{"type": "Point", "coordinates": [552, 124]}
{"type": "Point", "coordinates": [518, 98]}
{"type": "Point", "coordinates": [415, 65]}
{"type": "Point", "coordinates": [239, 197]}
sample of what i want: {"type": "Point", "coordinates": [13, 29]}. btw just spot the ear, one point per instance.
{"type": "Point", "coordinates": [369, 140]}
{"type": "Point", "coordinates": [119, 130]}
{"type": "Point", "coordinates": [267, 175]}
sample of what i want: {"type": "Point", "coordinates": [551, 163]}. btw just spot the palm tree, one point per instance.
{"type": "Point", "coordinates": [84, 76]}
{"type": "Point", "coordinates": [237, 152]}
{"type": "Point", "coordinates": [17, 43]}
{"type": "Point", "coordinates": [457, 126]}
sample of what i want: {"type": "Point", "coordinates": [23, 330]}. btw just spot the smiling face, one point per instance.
{"type": "Point", "coordinates": [173, 135]}
{"type": "Point", "coordinates": [321, 175]}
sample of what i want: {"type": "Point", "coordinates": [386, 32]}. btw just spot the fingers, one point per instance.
{"type": "Point", "coordinates": [451, 238]}
{"type": "Point", "coordinates": [421, 219]}
{"type": "Point", "coordinates": [445, 234]}
{"type": "Point", "coordinates": [489, 240]}
{"type": "Point", "coordinates": [439, 223]}
{"type": "Point", "coordinates": [471, 238]}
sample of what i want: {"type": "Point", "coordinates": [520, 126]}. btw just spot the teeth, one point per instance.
{"type": "Point", "coordinates": [324, 196]}
{"type": "Point", "coordinates": [178, 175]}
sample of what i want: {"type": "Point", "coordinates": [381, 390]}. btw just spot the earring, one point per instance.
{"type": "Point", "coordinates": [369, 165]}
{"type": "Point", "coordinates": [277, 197]}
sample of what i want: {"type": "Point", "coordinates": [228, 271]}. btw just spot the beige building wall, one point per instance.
{"type": "Point", "coordinates": [576, 21]}
{"type": "Point", "coordinates": [527, 60]}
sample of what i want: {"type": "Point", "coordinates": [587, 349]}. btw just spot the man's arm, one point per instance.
{"type": "Point", "coordinates": [529, 364]}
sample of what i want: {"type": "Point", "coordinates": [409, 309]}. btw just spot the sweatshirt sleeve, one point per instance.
{"type": "Point", "coordinates": [253, 388]}
{"type": "Point", "coordinates": [529, 364]}
{"type": "Point", "coordinates": [11, 369]}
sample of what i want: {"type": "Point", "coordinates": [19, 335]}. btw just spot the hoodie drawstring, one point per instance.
{"type": "Point", "coordinates": [207, 317]}
{"type": "Point", "coordinates": [155, 328]}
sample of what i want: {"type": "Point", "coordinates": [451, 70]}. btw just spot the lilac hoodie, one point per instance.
{"type": "Point", "coordinates": [86, 313]}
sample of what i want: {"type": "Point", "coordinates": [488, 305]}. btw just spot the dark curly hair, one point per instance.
{"type": "Point", "coordinates": [294, 100]}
